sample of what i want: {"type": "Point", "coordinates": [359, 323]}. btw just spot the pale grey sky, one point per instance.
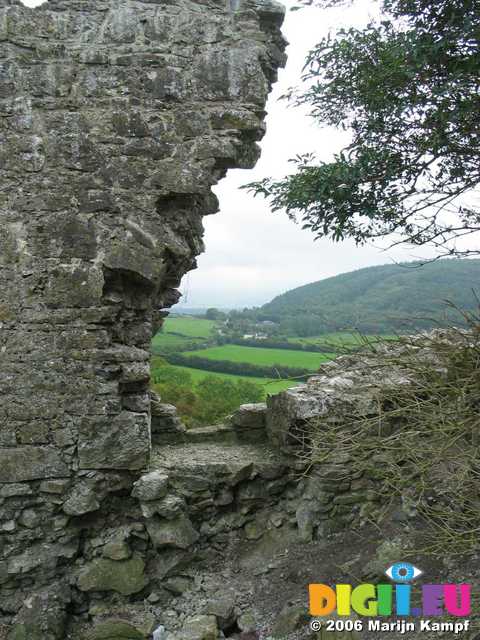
{"type": "Point", "coordinates": [252, 254]}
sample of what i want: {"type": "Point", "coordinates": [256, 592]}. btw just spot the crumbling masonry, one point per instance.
{"type": "Point", "coordinates": [116, 118]}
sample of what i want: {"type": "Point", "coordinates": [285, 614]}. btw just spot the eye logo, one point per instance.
{"type": "Point", "coordinates": [403, 572]}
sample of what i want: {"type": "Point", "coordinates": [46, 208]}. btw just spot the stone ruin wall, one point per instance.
{"type": "Point", "coordinates": [116, 118]}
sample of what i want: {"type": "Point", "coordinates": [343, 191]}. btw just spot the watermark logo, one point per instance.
{"type": "Point", "coordinates": [394, 598]}
{"type": "Point", "coordinates": [403, 572]}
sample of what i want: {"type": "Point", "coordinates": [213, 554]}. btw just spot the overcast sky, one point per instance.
{"type": "Point", "coordinates": [251, 253]}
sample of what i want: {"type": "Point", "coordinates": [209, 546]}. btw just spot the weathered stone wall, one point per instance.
{"type": "Point", "coordinates": [116, 118]}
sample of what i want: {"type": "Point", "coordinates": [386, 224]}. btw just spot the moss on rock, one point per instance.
{"type": "Point", "coordinates": [103, 574]}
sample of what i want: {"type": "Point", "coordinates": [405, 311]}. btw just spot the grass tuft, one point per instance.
{"type": "Point", "coordinates": [422, 446]}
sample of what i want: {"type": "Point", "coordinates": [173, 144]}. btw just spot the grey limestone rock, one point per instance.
{"type": "Point", "coordinates": [83, 499]}
{"type": "Point", "coordinates": [167, 427]}
{"type": "Point", "coordinates": [119, 629]}
{"type": "Point", "coordinates": [31, 463]}
{"type": "Point", "coordinates": [43, 616]}
{"type": "Point", "coordinates": [249, 416]}
{"type": "Point", "coordinates": [178, 532]}
{"type": "Point", "coordinates": [102, 574]}
{"type": "Point", "coordinates": [151, 486]}
{"type": "Point", "coordinates": [169, 507]}
{"type": "Point", "coordinates": [202, 627]}
{"type": "Point", "coordinates": [349, 383]}
{"type": "Point", "coordinates": [249, 422]}
{"type": "Point", "coordinates": [223, 608]}
{"type": "Point", "coordinates": [116, 120]}
{"type": "Point", "coordinates": [291, 617]}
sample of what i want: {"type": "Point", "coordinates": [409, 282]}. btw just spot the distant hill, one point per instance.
{"type": "Point", "coordinates": [179, 310]}
{"type": "Point", "coordinates": [379, 299]}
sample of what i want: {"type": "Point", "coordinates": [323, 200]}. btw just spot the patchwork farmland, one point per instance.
{"type": "Point", "coordinates": [204, 371]}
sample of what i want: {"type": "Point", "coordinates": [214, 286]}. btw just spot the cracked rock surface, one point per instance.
{"type": "Point", "coordinates": [116, 119]}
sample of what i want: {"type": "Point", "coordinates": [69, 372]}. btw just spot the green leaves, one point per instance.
{"type": "Point", "coordinates": [408, 88]}
{"type": "Point", "coordinates": [206, 401]}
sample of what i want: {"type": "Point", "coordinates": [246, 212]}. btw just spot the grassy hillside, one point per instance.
{"type": "Point", "coordinates": [269, 387]}
{"type": "Point", "coordinates": [205, 396]}
{"type": "Point", "coordinates": [179, 334]}
{"type": "Point", "coordinates": [379, 299]}
{"type": "Point", "coordinates": [258, 356]}
{"type": "Point", "coordinates": [190, 327]}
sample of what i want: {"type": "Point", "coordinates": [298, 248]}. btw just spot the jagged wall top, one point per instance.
{"type": "Point", "coordinates": [116, 118]}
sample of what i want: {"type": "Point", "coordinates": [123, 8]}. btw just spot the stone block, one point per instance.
{"type": "Point", "coordinates": [117, 629]}
{"type": "Point", "coordinates": [102, 574]}
{"type": "Point", "coordinates": [11, 490]}
{"type": "Point", "coordinates": [169, 561]}
{"type": "Point", "coordinates": [31, 463]}
{"type": "Point", "coordinates": [117, 550]}
{"type": "Point", "coordinates": [135, 372]}
{"type": "Point", "coordinates": [200, 628]}
{"type": "Point", "coordinates": [289, 620]}
{"type": "Point", "coordinates": [169, 507]}
{"type": "Point", "coordinates": [83, 499]}
{"type": "Point", "coordinates": [43, 616]}
{"type": "Point", "coordinates": [44, 555]}
{"type": "Point", "coordinates": [249, 416]}
{"type": "Point", "coordinates": [151, 486]}
{"type": "Point", "coordinates": [121, 442]}
{"type": "Point", "coordinates": [172, 533]}
{"type": "Point", "coordinates": [223, 608]}
{"type": "Point", "coordinates": [29, 518]}
{"type": "Point", "coordinates": [54, 486]}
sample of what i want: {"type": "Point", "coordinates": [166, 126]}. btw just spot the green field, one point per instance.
{"type": "Point", "coordinates": [190, 327]}
{"type": "Point", "coordinates": [172, 341]}
{"type": "Point", "coordinates": [340, 339]}
{"type": "Point", "coordinates": [191, 336]}
{"type": "Point", "coordinates": [264, 357]}
{"type": "Point", "coordinates": [182, 333]}
{"type": "Point", "coordinates": [328, 338]}
{"type": "Point", "coordinates": [270, 386]}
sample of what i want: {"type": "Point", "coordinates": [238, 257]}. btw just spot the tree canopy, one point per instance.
{"type": "Point", "coordinates": [206, 401]}
{"type": "Point", "coordinates": [408, 89]}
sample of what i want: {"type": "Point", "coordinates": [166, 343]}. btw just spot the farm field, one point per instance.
{"type": "Point", "coordinates": [181, 385]}
{"type": "Point", "coordinates": [328, 338]}
{"type": "Point", "coordinates": [173, 341]}
{"type": "Point", "coordinates": [264, 357]}
{"type": "Point", "coordinates": [341, 339]}
{"type": "Point", "coordinates": [270, 387]}
{"type": "Point", "coordinates": [190, 327]}
{"type": "Point", "coordinates": [182, 333]}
